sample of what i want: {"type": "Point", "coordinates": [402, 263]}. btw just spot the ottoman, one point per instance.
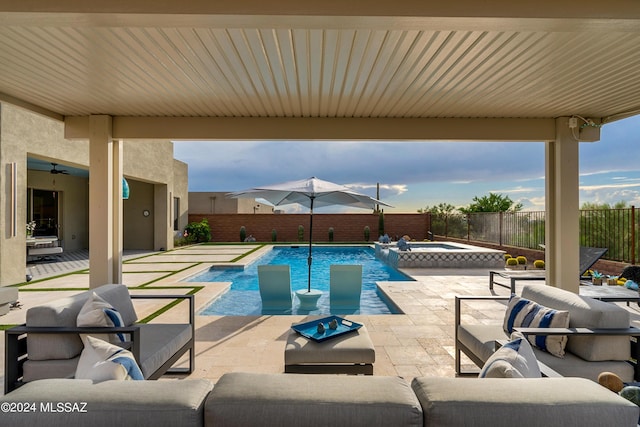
{"type": "Point", "coordinates": [351, 353]}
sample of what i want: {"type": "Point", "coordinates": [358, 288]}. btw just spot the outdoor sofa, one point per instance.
{"type": "Point", "coordinates": [265, 400]}
{"type": "Point", "coordinates": [48, 345]}
{"type": "Point", "coordinates": [599, 336]}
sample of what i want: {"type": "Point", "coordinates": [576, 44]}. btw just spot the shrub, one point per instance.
{"type": "Point", "coordinates": [367, 233]}
{"type": "Point", "coordinates": [538, 263]}
{"type": "Point", "coordinates": [300, 233]}
{"type": "Point", "coordinates": [521, 260]}
{"type": "Point", "coordinates": [512, 262]}
{"type": "Point", "coordinates": [274, 235]}
{"type": "Point", "coordinates": [197, 232]}
{"type": "Point", "coordinates": [243, 233]}
{"type": "Point", "coordinates": [507, 256]}
{"type": "Point", "coordinates": [331, 234]}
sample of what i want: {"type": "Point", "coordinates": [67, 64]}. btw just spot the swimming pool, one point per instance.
{"type": "Point", "coordinates": [243, 297]}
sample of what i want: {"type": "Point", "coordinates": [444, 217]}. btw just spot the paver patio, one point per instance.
{"type": "Point", "coordinates": [418, 342]}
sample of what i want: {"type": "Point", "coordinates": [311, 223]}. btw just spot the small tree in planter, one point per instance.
{"type": "Point", "coordinates": [274, 235]}
{"type": "Point", "coordinates": [300, 233]}
{"type": "Point", "coordinates": [243, 233]}
{"type": "Point", "coordinates": [331, 234]}
{"type": "Point", "coordinates": [367, 233]}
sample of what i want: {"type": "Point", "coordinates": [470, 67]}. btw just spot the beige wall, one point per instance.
{"type": "Point", "coordinates": [138, 229]}
{"type": "Point", "coordinates": [218, 202]}
{"type": "Point", "coordinates": [149, 166]}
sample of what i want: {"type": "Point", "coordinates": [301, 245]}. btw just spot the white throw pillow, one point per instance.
{"type": "Point", "coordinates": [514, 359]}
{"type": "Point", "coordinates": [98, 312]}
{"type": "Point", "coordinates": [524, 313]}
{"type": "Point", "coordinates": [102, 361]}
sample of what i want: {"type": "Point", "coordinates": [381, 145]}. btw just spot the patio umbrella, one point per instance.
{"type": "Point", "coordinates": [312, 192]}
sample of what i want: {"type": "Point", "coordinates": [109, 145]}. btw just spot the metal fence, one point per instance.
{"type": "Point", "coordinates": [614, 229]}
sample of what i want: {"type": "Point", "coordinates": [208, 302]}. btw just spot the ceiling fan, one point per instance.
{"type": "Point", "coordinates": [57, 171]}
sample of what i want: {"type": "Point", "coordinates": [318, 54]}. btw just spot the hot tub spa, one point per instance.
{"type": "Point", "coordinates": [440, 255]}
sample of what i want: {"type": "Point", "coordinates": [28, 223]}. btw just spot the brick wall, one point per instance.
{"type": "Point", "coordinates": [346, 227]}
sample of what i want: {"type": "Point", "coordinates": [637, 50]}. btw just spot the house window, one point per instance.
{"type": "Point", "coordinates": [43, 207]}
{"type": "Point", "coordinates": [176, 213]}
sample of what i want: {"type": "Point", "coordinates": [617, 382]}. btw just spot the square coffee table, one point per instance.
{"type": "Point", "coordinates": [351, 353]}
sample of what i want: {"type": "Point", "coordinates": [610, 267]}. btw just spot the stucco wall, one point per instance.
{"type": "Point", "coordinates": [149, 162]}
{"type": "Point", "coordinates": [206, 202]}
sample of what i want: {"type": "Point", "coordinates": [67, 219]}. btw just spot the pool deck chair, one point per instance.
{"type": "Point", "coordinates": [275, 287]}
{"type": "Point", "coordinates": [345, 286]}
{"type": "Point", "coordinates": [588, 257]}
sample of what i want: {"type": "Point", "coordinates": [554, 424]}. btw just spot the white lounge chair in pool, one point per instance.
{"type": "Point", "coordinates": [275, 287]}
{"type": "Point", "coordinates": [345, 285]}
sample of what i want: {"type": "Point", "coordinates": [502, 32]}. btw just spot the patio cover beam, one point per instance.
{"type": "Point", "coordinates": [285, 128]}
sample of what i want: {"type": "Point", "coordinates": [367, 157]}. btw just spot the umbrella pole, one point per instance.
{"type": "Point", "coordinates": [310, 258]}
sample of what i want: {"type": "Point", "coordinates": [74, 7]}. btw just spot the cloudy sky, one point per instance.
{"type": "Point", "coordinates": [414, 175]}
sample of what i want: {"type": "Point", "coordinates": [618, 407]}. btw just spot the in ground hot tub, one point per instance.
{"type": "Point", "coordinates": [440, 255]}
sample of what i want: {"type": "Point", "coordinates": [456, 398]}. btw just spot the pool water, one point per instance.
{"type": "Point", "coordinates": [243, 297]}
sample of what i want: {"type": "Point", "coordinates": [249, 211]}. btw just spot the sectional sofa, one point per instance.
{"type": "Point", "coordinates": [48, 345]}
{"type": "Point", "coordinates": [252, 399]}
{"type": "Point", "coordinates": [598, 334]}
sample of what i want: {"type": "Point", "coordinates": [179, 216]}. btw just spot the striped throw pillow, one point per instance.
{"type": "Point", "coordinates": [524, 313]}
{"type": "Point", "coordinates": [514, 359]}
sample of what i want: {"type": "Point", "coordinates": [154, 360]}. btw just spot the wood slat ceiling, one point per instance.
{"type": "Point", "coordinates": [390, 69]}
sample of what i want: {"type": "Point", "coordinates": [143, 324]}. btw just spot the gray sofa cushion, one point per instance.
{"type": "Point", "coordinates": [54, 368]}
{"type": "Point", "coordinates": [156, 347]}
{"type": "Point", "coordinates": [586, 313]}
{"type": "Point", "coordinates": [168, 403]}
{"type": "Point", "coordinates": [534, 402]}
{"type": "Point", "coordinates": [246, 399]}
{"type": "Point", "coordinates": [480, 339]}
{"type": "Point", "coordinates": [64, 312]}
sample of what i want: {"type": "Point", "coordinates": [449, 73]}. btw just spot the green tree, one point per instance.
{"type": "Point", "coordinates": [197, 232]}
{"type": "Point", "coordinates": [440, 209]}
{"type": "Point", "coordinates": [492, 203]}
{"type": "Point", "coordinates": [445, 220]}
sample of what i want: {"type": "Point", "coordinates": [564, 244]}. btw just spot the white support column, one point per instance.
{"type": "Point", "coordinates": [562, 228]}
{"type": "Point", "coordinates": [105, 203]}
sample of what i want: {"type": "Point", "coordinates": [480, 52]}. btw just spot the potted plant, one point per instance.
{"type": "Point", "coordinates": [31, 225]}
{"type": "Point", "coordinates": [596, 278]}
{"type": "Point", "coordinates": [522, 262]}
{"type": "Point", "coordinates": [539, 264]}
{"type": "Point", "coordinates": [511, 263]}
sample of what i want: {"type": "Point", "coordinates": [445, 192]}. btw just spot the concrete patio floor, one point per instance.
{"type": "Point", "coordinates": [419, 342]}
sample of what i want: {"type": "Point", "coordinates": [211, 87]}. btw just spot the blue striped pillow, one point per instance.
{"type": "Point", "coordinates": [515, 359]}
{"type": "Point", "coordinates": [524, 313]}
